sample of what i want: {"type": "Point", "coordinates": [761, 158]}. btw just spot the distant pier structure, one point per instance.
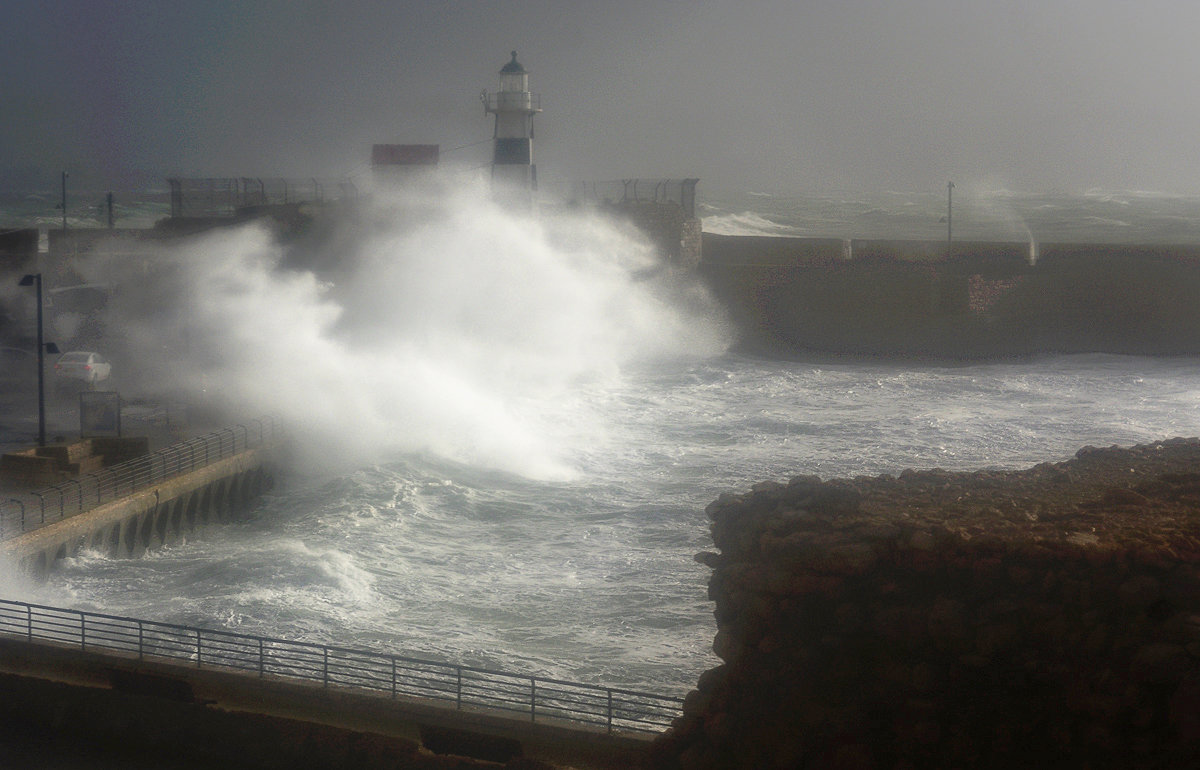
{"type": "Point", "coordinates": [513, 169]}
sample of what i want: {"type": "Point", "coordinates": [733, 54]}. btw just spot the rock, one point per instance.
{"type": "Point", "coordinates": [1119, 496]}
{"type": "Point", "coordinates": [1161, 663]}
{"type": "Point", "coordinates": [1140, 591]}
{"type": "Point", "coordinates": [945, 619]}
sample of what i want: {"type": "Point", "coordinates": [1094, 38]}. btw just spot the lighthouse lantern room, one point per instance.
{"type": "Point", "coordinates": [514, 107]}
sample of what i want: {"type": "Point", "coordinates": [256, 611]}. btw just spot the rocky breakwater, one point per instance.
{"type": "Point", "coordinates": [1044, 617]}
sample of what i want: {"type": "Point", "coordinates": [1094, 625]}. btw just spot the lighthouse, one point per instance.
{"type": "Point", "coordinates": [513, 170]}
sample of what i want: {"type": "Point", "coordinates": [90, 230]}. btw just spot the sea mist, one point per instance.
{"type": "Point", "coordinates": [434, 321]}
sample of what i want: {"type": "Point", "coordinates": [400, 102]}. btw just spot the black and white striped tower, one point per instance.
{"type": "Point", "coordinates": [514, 107]}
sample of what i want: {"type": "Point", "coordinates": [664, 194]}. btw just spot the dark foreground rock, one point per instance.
{"type": "Point", "coordinates": [1040, 618]}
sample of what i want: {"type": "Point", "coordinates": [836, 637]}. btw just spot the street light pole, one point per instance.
{"type": "Point", "coordinates": [949, 216]}
{"type": "Point", "coordinates": [35, 279]}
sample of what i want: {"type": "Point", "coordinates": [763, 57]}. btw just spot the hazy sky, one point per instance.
{"type": "Point", "coordinates": [771, 95]}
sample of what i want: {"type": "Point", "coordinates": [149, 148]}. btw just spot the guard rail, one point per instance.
{"type": "Point", "coordinates": [392, 676]}
{"type": "Point", "coordinates": [44, 506]}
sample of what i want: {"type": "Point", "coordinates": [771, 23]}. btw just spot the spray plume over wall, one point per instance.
{"type": "Point", "coordinates": [437, 323]}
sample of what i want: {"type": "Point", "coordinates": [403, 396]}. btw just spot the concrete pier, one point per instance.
{"type": "Point", "coordinates": [130, 525]}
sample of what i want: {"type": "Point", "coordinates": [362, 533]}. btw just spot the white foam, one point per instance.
{"type": "Point", "coordinates": [745, 223]}
{"type": "Point", "coordinates": [448, 324]}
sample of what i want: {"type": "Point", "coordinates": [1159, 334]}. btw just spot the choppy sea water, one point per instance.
{"type": "Point", "coordinates": [975, 213]}
{"type": "Point", "coordinates": [592, 578]}
{"type": "Point", "coordinates": [563, 424]}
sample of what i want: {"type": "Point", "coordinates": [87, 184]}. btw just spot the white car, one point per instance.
{"type": "Point", "coordinates": [81, 367]}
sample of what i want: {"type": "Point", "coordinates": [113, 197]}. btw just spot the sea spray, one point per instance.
{"type": "Point", "coordinates": [446, 324]}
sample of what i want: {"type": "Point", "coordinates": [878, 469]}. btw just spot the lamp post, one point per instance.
{"type": "Point", "coordinates": [949, 216]}
{"type": "Point", "coordinates": [35, 279]}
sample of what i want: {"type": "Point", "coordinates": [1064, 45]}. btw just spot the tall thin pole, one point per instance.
{"type": "Point", "coordinates": [64, 201]}
{"type": "Point", "coordinates": [41, 364]}
{"type": "Point", "coordinates": [949, 216]}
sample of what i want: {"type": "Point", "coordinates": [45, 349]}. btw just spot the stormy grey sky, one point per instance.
{"type": "Point", "coordinates": [771, 95]}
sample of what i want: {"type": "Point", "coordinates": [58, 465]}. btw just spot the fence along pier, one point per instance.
{"type": "Point", "coordinates": [143, 503]}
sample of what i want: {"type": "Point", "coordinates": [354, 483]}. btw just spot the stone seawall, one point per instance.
{"type": "Point", "coordinates": [151, 518]}
{"type": "Point", "coordinates": [791, 296]}
{"type": "Point", "coordinates": [675, 234]}
{"type": "Point", "coordinates": [1046, 617]}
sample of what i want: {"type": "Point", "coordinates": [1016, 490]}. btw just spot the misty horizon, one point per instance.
{"type": "Point", "coordinates": [776, 97]}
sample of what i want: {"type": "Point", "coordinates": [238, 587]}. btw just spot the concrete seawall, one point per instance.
{"type": "Point", "coordinates": [794, 296]}
{"type": "Point", "coordinates": [160, 515]}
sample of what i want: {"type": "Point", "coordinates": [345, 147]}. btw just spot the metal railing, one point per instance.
{"type": "Point", "coordinates": [498, 101]}
{"type": "Point", "coordinates": [628, 191]}
{"type": "Point", "coordinates": [384, 675]}
{"type": "Point", "coordinates": [225, 196]}
{"type": "Point", "coordinates": [35, 509]}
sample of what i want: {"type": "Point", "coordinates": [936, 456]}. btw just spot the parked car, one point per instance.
{"type": "Point", "coordinates": [81, 367]}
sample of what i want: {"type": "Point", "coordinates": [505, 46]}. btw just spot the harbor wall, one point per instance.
{"type": "Point", "coordinates": [165, 513]}
{"type": "Point", "coordinates": [794, 296]}
{"type": "Point", "coordinates": [675, 234]}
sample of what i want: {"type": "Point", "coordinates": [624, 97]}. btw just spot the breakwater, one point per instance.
{"type": "Point", "coordinates": [142, 503]}
{"type": "Point", "coordinates": [1046, 617]}
{"type": "Point", "coordinates": [968, 300]}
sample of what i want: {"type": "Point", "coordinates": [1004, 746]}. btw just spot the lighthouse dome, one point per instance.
{"type": "Point", "coordinates": [513, 67]}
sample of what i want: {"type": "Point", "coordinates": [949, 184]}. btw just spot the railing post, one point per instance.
{"type": "Point", "coordinates": [197, 648]}
{"type": "Point", "coordinates": [82, 631]}
{"type": "Point", "coordinates": [325, 665]}
{"type": "Point", "coordinates": [141, 641]}
{"type": "Point", "coordinates": [458, 690]}
{"type": "Point", "coordinates": [610, 713]}
{"type": "Point", "coordinates": [29, 622]}
{"type": "Point", "coordinates": [262, 663]}
{"type": "Point", "coordinates": [532, 699]}
{"type": "Point", "coordinates": [393, 678]}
